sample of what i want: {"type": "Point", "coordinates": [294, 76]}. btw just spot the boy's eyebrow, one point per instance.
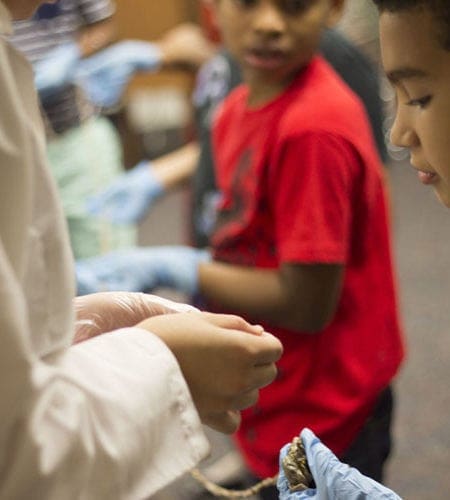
{"type": "Point", "coordinates": [405, 73]}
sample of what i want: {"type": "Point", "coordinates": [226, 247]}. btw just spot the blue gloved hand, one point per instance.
{"type": "Point", "coordinates": [129, 197]}
{"type": "Point", "coordinates": [56, 70]}
{"type": "Point", "coordinates": [334, 480]}
{"type": "Point", "coordinates": [105, 75]}
{"type": "Point", "coordinates": [142, 269]}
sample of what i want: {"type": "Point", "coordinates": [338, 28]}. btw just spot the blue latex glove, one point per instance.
{"type": "Point", "coordinates": [56, 70]}
{"type": "Point", "coordinates": [129, 197]}
{"type": "Point", "coordinates": [142, 269]}
{"type": "Point", "coordinates": [105, 75]}
{"type": "Point", "coordinates": [334, 480]}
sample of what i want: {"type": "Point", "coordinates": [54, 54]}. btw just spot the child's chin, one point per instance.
{"type": "Point", "coordinates": [444, 198]}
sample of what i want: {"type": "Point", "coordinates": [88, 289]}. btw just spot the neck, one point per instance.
{"type": "Point", "coordinates": [264, 90]}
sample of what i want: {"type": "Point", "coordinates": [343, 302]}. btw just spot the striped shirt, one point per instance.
{"type": "Point", "coordinates": [54, 25]}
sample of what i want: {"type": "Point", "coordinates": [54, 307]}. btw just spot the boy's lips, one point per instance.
{"type": "Point", "coordinates": [427, 177]}
{"type": "Point", "coordinates": [265, 58]}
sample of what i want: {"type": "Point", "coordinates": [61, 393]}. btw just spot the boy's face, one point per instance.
{"type": "Point", "coordinates": [272, 39]}
{"type": "Point", "coordinates": [22, 9]}
{"type": "Point", "coordinates": [419, 69]}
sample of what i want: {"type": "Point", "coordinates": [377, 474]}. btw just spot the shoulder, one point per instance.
{"type": "Point", "coordinates": [352, 65]}
{"type": "Point", "coordinates": [324, 114]}
{"type": "Point", "coordinates": [343, 55]}
{"type": "Point", "coordinates": [215, 79]}
{"type": "Point", "coordinates": [233, 104]}
{"type": "Point", "coordinates": [94, 11]}
{"type": "Point", "coordinates": [321, 101]}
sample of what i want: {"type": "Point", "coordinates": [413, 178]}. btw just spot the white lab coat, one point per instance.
{"type": "Point", "coordinates": [110, 418]}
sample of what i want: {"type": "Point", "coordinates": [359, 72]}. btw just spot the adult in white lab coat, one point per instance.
{"type": "Point", "coordinates": [117, 415]}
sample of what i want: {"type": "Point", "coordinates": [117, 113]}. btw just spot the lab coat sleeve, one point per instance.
{"type": "Point", "coordinates": [131, 407]}
{"type": "Point", "coordinates": [112, 418]}
{"type": "Point", "coordinates": [108, 418]}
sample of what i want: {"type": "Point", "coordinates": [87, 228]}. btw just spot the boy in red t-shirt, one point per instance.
{"type": "Point", "coordinates": [302, 241]}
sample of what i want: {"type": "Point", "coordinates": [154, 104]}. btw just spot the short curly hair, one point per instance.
{"type": "Point", "coordinates": [440, 10]}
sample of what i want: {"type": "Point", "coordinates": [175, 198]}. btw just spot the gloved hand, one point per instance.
{"type": "Point", "coordinates": [142, 269]}
{"type": "Point", "coordinates": [56, 70]}
{"type": "Point", "coordinates": [334, 480]}
{"type": "Point", "coordinates": [105, 75]}
{"type": "Point", "coordinates": [129, 197]}
{"type": "Point", "coordinates": [102, 312]}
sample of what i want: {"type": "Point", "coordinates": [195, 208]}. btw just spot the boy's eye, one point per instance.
{"type": "Point", "coordinates": [296, 6]}
{"type": "Point", "coordinates": [421, 103]}
{"type": "Point", "coordinates": [245, 3]}
{"type": "Point", "coordinates": [288, 6]}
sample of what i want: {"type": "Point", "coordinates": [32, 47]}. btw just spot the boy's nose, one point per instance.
{"type": "Point", "coordinates": [268, 20]}
{"type": "Point", "coordinates": [402, 133]}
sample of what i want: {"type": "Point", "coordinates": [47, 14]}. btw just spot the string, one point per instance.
{"type": "Point", "coordinates": [219, 491]}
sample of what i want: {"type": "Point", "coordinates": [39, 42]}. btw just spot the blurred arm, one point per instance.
{"type": "Point", "coordinates": [177, 167]}
{"type": "Point", "coordinates": [185, 46]}
{"type": "Point", "coordinates": [301, 297]}
{"type": "Point", "coordinates": [96, 36]}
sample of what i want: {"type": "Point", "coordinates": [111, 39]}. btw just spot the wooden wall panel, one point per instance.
{"type": "Point", "coordinates": [149, 19]}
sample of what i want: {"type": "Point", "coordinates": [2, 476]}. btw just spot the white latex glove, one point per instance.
{"type": "Point", "coordinates": [99, 313]}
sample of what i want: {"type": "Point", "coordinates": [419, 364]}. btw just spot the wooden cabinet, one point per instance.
{"type": "Point", "coordinates": [149, 19]}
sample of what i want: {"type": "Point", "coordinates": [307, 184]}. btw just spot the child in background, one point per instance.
{"type": "Point", "coordinates": [69, 45]}
{"type": "Point", "coordinates": [302, 239]}
{"type": "Point", "coordinates": [421, 80]}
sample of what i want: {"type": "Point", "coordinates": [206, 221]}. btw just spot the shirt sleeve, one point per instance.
{"type": "Point", "coordinates": [94, 11]}
{"type": "Point", "coordinates": [312, 184]}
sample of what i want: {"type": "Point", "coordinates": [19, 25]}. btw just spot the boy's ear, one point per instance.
{"type": "Point", "coordinates": [336, 10]}
{"type": "Point", "coordinates": [209, 13]}
{"type": "Point", "coordinates": [210, 6]}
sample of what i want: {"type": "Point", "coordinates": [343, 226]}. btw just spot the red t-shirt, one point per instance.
{"type": "Point", "coordinates": [302, 183]}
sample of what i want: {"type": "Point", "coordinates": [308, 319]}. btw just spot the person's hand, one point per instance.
{"type": "Point", "coordinates": [129, 197]}
{"type": "Point", "coordinates": [103, 312]}
{"type": "Point", "coordinates": [185, 46]}
{"type": "Point", "coordinates": [334, 479]}
{"type": "Point", "coordinates": [105, 75]}
{"type": "Point", "coordinates": [142, 269]}
{"type": "Point", "coordinates": [224, 360]}
{"type": "Point", "coordinates": [56, 70]}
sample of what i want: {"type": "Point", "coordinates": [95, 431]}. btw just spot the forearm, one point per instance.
{"type": "Point", "coordinates": [177, 167]}
{"type": "Point", "coordinates": [184, 46]}
{"type": "Point", "coordinates": [256, 293]}
{"type": "Point", "coordinates": [304, 299]}
{"type": "Point", "coordinates": [96, 36]}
